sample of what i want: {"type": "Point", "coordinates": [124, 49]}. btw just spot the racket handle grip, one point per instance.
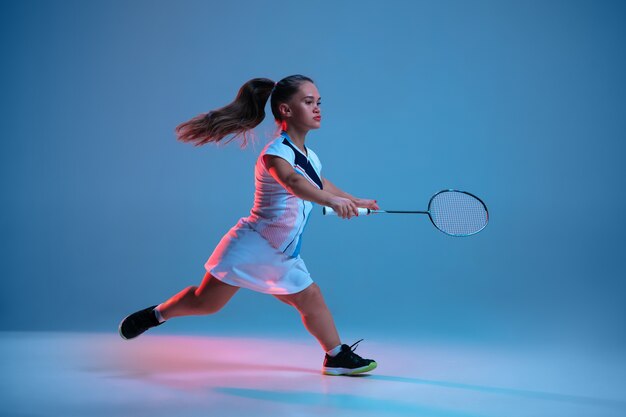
{"type": "Point", "coordinates": [327, 211]}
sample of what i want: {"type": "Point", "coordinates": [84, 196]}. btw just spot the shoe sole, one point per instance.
{"type": "Point", "coordinates": [348, 371]}
{"type": "Point", "coordinates": [119, 329]}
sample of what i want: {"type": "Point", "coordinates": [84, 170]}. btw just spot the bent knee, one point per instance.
{"type": "Point", "coordinates": [312, 292]}
{"type": "Point", "coordinates": [310, 299]}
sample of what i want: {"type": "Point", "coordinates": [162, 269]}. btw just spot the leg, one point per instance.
{"type": "Point", "coordinates": [315, 315]}
{"type": "Point", "coordinates": [208, 298]}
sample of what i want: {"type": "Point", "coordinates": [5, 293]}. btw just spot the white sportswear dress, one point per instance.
{"type": "Point", "coordinates": [262, 251]}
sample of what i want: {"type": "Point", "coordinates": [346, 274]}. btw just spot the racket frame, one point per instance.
{"type": "Point", "coordinates": [370, 211]}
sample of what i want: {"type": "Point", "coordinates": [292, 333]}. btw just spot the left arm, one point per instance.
{"type": "Point", "coordinates": [360, 202]}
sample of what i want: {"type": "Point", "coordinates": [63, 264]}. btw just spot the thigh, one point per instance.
{"type": "Point", "coordinates": [215, 292]}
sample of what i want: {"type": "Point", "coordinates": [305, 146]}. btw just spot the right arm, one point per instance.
{"type": "Point", "coordinates": [296, 184]}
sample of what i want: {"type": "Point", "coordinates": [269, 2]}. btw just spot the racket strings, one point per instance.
{"type": "Point", "coordinates": [457, 213]}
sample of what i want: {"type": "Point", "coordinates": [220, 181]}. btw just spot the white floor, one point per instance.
{"type": "Point", "coordinates": [97, 374]}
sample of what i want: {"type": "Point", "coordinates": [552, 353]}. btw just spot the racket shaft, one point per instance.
{"type": "Point", "coordinates": [401, 212]}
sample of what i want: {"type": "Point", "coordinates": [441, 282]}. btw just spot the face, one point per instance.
{"type": "Point", "coordinates": [303, 109]}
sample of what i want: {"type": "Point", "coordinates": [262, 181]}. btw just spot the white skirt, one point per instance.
{"type": "Point", "coordinates": [244, 258]}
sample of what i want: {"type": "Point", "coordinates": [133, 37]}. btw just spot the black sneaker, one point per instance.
{"type": "Point", "coordinates": [138, 322]}
{"type": "Point", "coordinates": [347, 362]}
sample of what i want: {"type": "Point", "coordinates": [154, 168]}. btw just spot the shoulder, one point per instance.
{"type": "Point", "coordinates": [279, 147]}
{"type": "Point", "coordinates": [312, 153]}
{"type": "Point", "coordinates": [314, 158]}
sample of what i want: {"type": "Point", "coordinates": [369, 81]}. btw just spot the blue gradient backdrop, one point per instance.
{"type": "Point", "coordinates": [104, 212]}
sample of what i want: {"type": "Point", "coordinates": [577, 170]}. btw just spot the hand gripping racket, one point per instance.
{"type": "Point", "coordinates": [455, 213]}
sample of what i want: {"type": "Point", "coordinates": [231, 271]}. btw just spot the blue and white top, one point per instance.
{"type": "Point", "coordinates": [278, 215]}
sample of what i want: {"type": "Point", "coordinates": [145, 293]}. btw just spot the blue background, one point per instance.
{"type": "Point", "coordinates": [522, 103]}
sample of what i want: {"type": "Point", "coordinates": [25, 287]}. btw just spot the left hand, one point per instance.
{"type": "Point", "coordinates": [365, 203]}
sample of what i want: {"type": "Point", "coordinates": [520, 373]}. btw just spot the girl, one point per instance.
{"type": "Point", "coordinates": [261, 252]}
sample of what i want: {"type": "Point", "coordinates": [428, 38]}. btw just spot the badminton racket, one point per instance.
{"type": "Point", "coordinates": [454, 212]}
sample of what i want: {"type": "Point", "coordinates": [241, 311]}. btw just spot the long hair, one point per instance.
{"type": "Point", "coordinates": [242, 115]}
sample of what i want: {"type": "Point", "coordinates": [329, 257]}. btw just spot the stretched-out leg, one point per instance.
{"type": "Point", "coordinates": [315, 315]}
{"type": "Point", "coordinates": [208, 298]}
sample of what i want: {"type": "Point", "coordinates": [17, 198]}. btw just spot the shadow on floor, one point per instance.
{"type": "Point", "coordinates": [340, 401]}
{"type": "Point", "coordinates": [575, 399]}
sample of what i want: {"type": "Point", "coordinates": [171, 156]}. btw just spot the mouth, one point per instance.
{"type": "Point", "coordinates": [318, 118]}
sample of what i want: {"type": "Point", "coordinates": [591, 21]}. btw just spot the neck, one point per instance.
{"type": "Point", "coordinates": [296, 135]}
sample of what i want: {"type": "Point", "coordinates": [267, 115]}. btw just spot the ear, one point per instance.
{"type": "Point", "coordinates": [284, 110]}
